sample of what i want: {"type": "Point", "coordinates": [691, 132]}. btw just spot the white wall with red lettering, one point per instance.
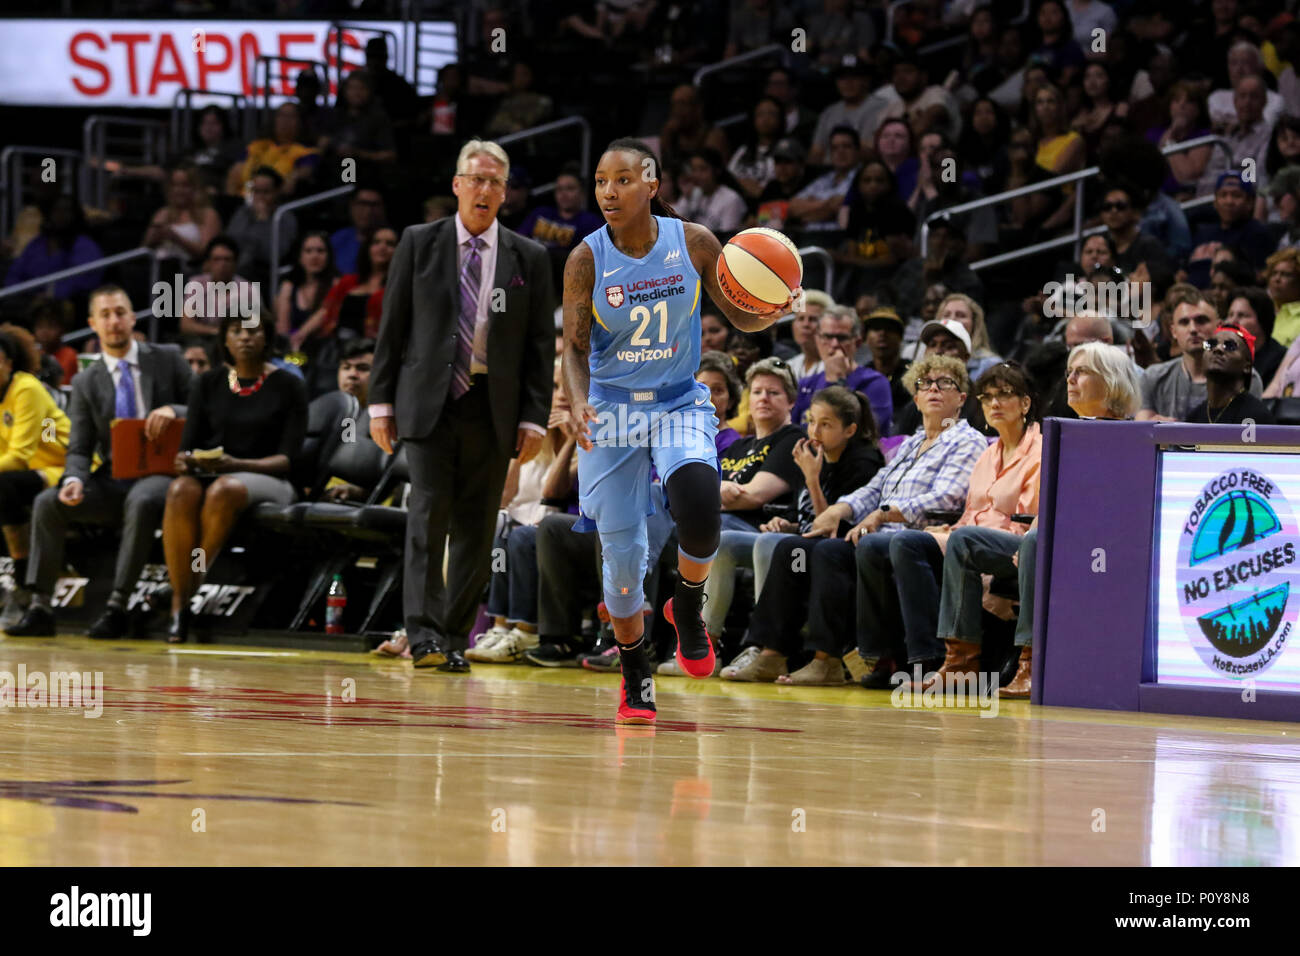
{"type": "Point", "coordinates": [142, 63]}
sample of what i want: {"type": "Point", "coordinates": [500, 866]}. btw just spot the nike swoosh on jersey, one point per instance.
{"type": "Point", "coordinates": [610, 272]}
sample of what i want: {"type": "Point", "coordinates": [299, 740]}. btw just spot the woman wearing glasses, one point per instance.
{"type": "Point", "coordinates": [632, 337]}
{"type": "Point", "coordinates": [1101, 385]}
{"type": "Point", "coordinates": [930, 471]}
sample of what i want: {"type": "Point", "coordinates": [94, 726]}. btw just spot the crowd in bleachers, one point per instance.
{"type": "Point", "coordinates": [839, 422]}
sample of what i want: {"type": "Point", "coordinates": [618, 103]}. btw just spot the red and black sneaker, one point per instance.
{"type": "Point", "coordinates": [695, 654]}
{"type": "Point", "coordinates": [633, 705]}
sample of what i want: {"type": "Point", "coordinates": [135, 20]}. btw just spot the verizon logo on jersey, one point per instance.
{"type": "Point", "coordinates": [645, 355]}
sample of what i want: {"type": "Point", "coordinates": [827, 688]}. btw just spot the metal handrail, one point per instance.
{"type": "Point", "coordinates": [120, 257]}
{"type": "Point", "coordinates": [12, 185]}
{"type": "Point", "coordinates": [284, 210]}
{"type": "Point", "coordinates": [761, 52]}
{"type": "Point", "coordinates": [338, 27]}
{"type": "Point", "coordinates": [535, 131]}
{"type": "Point", "coordinates": [94, 138]}
{"type": "Point", "coordinates": [262, 108]}
{"type": "Point", "coordinates": [817, 252]}
{"type": "Point", "coordinates": [1077, 235]}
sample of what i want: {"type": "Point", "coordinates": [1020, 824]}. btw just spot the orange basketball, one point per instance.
{"type": "Point", "coordinates": [759, 268]}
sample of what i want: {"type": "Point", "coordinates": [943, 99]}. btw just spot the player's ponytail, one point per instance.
{"type": "Point", "coordinates": [654, 168]}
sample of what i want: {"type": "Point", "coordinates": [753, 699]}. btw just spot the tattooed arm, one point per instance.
{"type": "Point", "coordinates": [704, 248]}
{"type": "Point", "coordinates": [575, 373]}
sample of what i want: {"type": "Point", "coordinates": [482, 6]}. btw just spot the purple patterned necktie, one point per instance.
{"type": "Point", "coordinates": [470, 275]}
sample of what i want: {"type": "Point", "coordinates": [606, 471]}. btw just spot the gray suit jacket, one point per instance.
{"type": "Point", "coordinates": [165, 379]}
{"type": "Point", "coordinates": [415, 348]}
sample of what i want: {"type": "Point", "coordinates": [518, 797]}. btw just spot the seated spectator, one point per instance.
{"type": "Point", "coordinates": [303, 293]}
{"type": "Point", "coordinates": [756, 23]}
{"type": "Point", "coordinates": [1247, 137]}
{"type": "Point", "coordinates": [213, 151]}
{"type": "Point", "coordinates": [878, 230]}
{"type": "Point", "coordinates": [31, 453]}
{"type": "Point", "coordinates": [1003, 483]}
{"type": "Point", "coordinates": [197, 354]}
{"type": "Point", "coordinates": [711, 201]}
{"type": "Point", "coordinates": [48, 330]}
{"type": "Point", "coordinates": [944, 263]}
{"type": "Point", "coordinates": [522, 108]}
{"type": "Point", "coordinates": [718, 372]}
{"type": "Point", "coordinates": [746, 348]}
{"type": "Point", "coordinates": [1188, 119]}
{"type": "Point", "coordinates": [751, 165]}
{"type": "Point", "coordinates": [1283, 279]}
{"type": "Point", "coordinates": [1058, 49]}
{"type": "Point", "coordinates": [686, 129]}
{"type": "Point", "coordinates": [1234, 203]}
{"type": "Point", "coordinates": [183, 227]}
{"type": "Point", "coordinates": [561, 227]}
{"type": "Point", "coordinates": [1170, 390]}
{"type": "Point", "coordinates": [923, 106]}
{"type": "Point", "coordinates": [1102, 383]}
{"type": "Point", "coordinates": [518, 203]}
{"type": "Point", "coordinates": [839, 333]}
{"type": "Point", "coordinates": [853, 110]}
{"type": "Point", "coordinates": [760, 470]}
{"type": "Point", "coordinates": [366, 214]}
{"type": "Point", "coordinates": [531, 492]}
{"type": "Point", "coordinates": [1283, 154]}
{"type": "Point", "coordinates": [217, 292]}
{"type": "Point", "coordinates": [884, 331]}
{"type": "Point", "coordinates": [799, 120]}
{"type": "Point", "coordinates": [816, 207]}
{"type": "Point", "coordinates": [715, 333]}
{"type": "Point", "coordinates": [894, 147]}
{"type": "Point", "coordinates": [839, 455]}
{"type": "Point", "coordinates": [983, 144]}
{"type": "Point", "coordinates": [1121, 214]}
{"type": "Point", "coordinates": [950, 338]}
{"type": "Point", "coordinates": [283, 151]}
{"type": "Point", "coordinates": [128, 380]}
{"type": "Point", "coordinates": [439, 207]}
{"type": "Point", "coordinates": [1100, 106]}
{"type": "Point", "coordinates": [1244, 60]}
{"type": "Point", "coordinates": [62, 243]}
{"type": "Point", "coordinates": [1230, 354]}
{"type": "Point", "coordinates": [1059, 149]}
{"type": "Point", "coordinates": [317, 119]}
{"type": "Point", "coordinates": [1226, 277]}
{"type": "Point", "coordinates": [391, 90]}
{"type": "Point", "coordinates": [836, 33]}
{"type": "Point", "coordinates": [930, 471]}
{"type": "Point", "coordinates": [962, 308]}
{"type": "Point", "coordinates": [250, 226]}
{"type": "Point", "coordinates": [789, 178]}
{"type": "Point", "coordinates": [936, 190]}
{"type": "Point", "coordinates": [1250, 308]}
{"type": "Point", "coordinates": [254, 418]}
{"type": "Point", "coordinates": [803, 333]}
{"type": "Point", "coordinates": [355, 303]}
{"type": "Point", "coordinates": [363, 130]}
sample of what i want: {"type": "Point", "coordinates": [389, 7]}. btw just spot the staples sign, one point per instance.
{"type": "Point", "coordinates": [145, 62]}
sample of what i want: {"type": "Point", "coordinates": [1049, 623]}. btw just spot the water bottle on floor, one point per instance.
{"type": "Point", "coordinates": [335, 602]}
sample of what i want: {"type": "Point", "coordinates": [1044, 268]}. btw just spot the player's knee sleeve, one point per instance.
{"type": "Point", "coordinates": [696, 506]}
{"type": "Point", "coordinates": [624, 566]}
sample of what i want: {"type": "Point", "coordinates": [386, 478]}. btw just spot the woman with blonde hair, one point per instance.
{"type": "Point", "coordinates": [964, 309]}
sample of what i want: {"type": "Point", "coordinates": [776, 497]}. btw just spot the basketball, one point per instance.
{"type": "Point", "coordinates": [759, 268]}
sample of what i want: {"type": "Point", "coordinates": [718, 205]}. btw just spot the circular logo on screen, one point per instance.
{"type": "Point", "coordinates": [1237, 573]}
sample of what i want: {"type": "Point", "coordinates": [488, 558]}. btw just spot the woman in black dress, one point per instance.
{"type": "Point", "coordinates": [253, 416]}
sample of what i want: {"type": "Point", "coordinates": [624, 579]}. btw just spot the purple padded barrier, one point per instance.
{"type": "Point", "coordinates": [1098, 491]}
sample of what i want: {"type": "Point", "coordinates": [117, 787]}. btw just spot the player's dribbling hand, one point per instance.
{"type": "Point", "coordinates": [580, 416]}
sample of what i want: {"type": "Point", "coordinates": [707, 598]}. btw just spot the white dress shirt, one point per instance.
{"type": "Point", "coordinates": [482, 318]}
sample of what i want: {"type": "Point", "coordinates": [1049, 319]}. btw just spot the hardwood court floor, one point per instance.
{"type": "Point", "coordinates": [213, 756]}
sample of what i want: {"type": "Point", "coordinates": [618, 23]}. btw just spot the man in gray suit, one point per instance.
{"type": "Point", "coordinates": [128, 380]}
{"type": "Point", "coordinates": [463, 370]}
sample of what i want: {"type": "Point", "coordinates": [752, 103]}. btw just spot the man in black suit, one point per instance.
{"type": "Point", "coordinates": [463, 372]}
{"type": "Point", "coordinates": [130, 380]}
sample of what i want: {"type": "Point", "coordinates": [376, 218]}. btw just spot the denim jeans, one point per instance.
{"type": "Point", "coordinates": [1028, 561]}
{"type": "Point", "coordinates": [735, 551]}
{"type": "Point", "coordinates": [731, 522]}
{"type": "Point", "coordinates": [513, 591]}
{"type": "Point", "coordinates": [898, 595]}
{"type": "Point", "coordinates": [972, 552]}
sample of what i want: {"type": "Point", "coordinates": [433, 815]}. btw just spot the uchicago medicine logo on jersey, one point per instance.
{"type": "Point", "coordinates": [1237, 574]}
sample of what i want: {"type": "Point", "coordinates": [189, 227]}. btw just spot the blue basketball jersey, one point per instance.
{"type": "Point", "coordinates": [645, 329]}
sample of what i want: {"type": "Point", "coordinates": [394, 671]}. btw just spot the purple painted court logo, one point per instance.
{"type": "Point", "coordinates": [1237, 577]}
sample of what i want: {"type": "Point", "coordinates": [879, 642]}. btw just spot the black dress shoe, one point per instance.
{"type": "Point", "coordinates": [110, 626]}
{"type": "Point", "coordinates": [35, 622]}
{"type": "Point", "coordinates": [179, 631]}
{"type": "Point", "coordinates": [427, 655]}
{"type": "Point", "coordinates": [454, 664]}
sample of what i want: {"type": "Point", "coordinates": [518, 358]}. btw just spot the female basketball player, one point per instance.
{"type": "Point", "coordinates": [631, 348]}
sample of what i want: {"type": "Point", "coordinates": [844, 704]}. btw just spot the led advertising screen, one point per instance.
{"type": "Point", "coordinates": [1227, 574]}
